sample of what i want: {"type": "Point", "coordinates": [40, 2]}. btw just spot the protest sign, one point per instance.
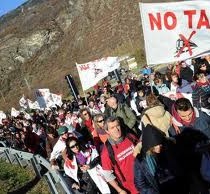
{"type": "Point", "coordinates": [175, 31]}
{"type": "Point", "coordinates": [92, 72]}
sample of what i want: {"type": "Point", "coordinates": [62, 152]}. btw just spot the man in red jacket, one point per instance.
{"type": "Point", "coordinates": [123, 148]}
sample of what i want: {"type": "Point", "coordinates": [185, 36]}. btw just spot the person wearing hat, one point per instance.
{"type": "Point", "coordinates": [59, 147]}
{"type": "Point", "coordinates": [155, 168]}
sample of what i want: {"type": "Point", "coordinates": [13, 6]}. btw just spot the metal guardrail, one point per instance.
{"type": "Point", "coordinates": [54, 178]}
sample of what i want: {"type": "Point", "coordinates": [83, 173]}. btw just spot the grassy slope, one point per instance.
{"type": "Point", "coordinates": [13, 177]}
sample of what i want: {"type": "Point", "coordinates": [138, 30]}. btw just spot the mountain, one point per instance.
{"type": "Point", "coordinates": [41, 41]}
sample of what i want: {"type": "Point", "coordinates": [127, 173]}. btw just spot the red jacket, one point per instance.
{"type": "Point", "coordinates": [123, 152]}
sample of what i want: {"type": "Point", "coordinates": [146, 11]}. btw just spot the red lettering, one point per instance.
{"type": "Point", "coordinates": [84, 67]}
{"type": "Point", "coordinates": [171, 15]}
{"type": "Point", "coordinates": [190, 13]}
{"type": "Point", "coordinates": [155, 21]}
{"type": "Point", "coordinates": [203, 20]}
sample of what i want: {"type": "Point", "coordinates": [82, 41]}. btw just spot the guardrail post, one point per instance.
{"type": "Point", "coordinates": [8, 156]}
{"type": "Point", "coordinates": [63, 183]}
{"type": "Point", "coordinates": [36, 167]}
{"type": "Point", "coordinates": [52, 177]}
{"type": "Point", "coordinates": [18, 160]}
{"type": "Point", "coordinates": [50, 182]}
{"type": "Point", "coordinates": [2, 143]}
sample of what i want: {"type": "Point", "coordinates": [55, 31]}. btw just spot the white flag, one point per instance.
{"type": "Point", "coordinates": [57, 99]}
{"type": "Point", "coordinates": [175, 31]}
{"type": "Point", "coordinates": [2, 116]}
{"type": "Point", "coordinates": [23, 102]}
{"type": "Point", "coordinates": [43, 97]}
{"type": "Point", "coordinates": [33, 105]}
{"type": "Point", "coordinates": [14, 112]}
{"type": "Point", "coordinates": [92, 72]}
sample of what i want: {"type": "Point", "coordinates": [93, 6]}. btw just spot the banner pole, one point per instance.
{"type": "Point", "coordinates": [151, 86]}
{"type": "Point", "coordinates": [85, 97]}
{"type": "Point", "coordinates": [82, 89]}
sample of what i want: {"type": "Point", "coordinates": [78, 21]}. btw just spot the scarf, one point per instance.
{"type": "Point", "coordinates": [89, 124]}
{"type": "Point", "coordinates": [112, 142]}
{"type": "Point", "coordinates": [151, 162]}
{"type": "Point", "coordinates": [179, 119]}
{"type": "Point", "coordinates": [81, 159]}
{"type": "Point", "coordinates": [199, 84]}
{"type": "Point", "coordinates": [101, 131]}
{"type": "Point", "coordinates": [205, 86]}
{"type": "Point", "coordinates": [69, 164]}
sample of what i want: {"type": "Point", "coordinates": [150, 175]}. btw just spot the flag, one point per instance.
{"type": "Point", "coordinates": [27, 116]}
{"type": "Point", "coordinates": [175, 34]}
{"type": "Point", "coordinates": [92, 72]}
{"type": "Point", "coordinates": [23, 102]}
{"type": "Point", "coordinates": [57, 99]}
{"type": "Point", "coordinates": [14, 112]}
{"type": "Point", "coordinates": [33, 105]}
{"type": "Point", "coordinates": [43, 97]}
{"type": "Point", "coordinates": [2, 116]}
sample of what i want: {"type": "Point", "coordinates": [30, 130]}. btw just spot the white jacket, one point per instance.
{"type": "Point", "coordinates": [96, 173]}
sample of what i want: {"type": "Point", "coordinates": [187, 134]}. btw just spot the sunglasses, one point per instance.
{"type": "Point", "coordinates": [100, 121]}
{"type": "Point", "coordinates": [73, 146]}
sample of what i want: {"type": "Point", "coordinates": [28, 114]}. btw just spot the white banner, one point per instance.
{"type": "Point", "coordinates": [27, 116]}
{"type": "Point", "coordinates": [23, 102]}
{"type": "Point", "coordinates": [43, 97]}
{"type": "Point", "coordinates": [92, 72]}
{"type": "Point", "coordinates": [33, 105]}
{"type": "Point", "coordinates": [57, 99]}
{"type": "Point", "coordinates": [175, 31]}
{"type": "Point", "coordinates": [14, 112]}
{"type": "Point", "coordinates": [2, 116]}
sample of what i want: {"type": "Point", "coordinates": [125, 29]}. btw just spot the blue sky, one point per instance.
{"type": "Point", "coordinates": [8, 5]}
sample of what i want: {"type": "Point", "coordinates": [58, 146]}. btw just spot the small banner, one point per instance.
{"type": "Point", "coordinates": [92, 72]}
{"type": "Point", "coordinates": [57, 99]}
{"type": "Point", "coordinates": [43, 97]}
{"type": "Point", "coordinates": [14, 112]}
{"type": "Point", "coordinates": [2, 116]}
{"type": "Point", "coordinates": [23, 102]}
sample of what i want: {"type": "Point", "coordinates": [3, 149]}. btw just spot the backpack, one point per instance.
{"type": "Point", "coordinates": [112, 155]}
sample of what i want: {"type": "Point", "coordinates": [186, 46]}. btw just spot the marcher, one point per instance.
{"type": "Point", "coordinates": [156, 115]}
{"type": "Point", "coordinates": [156, 168]}
{"type": "Point", "coordinates": [56, 154]}
{"type": "Point", "coordinates": [201, 93]}
{"type": "Point", "coordinates": [122, 148]}
{"type": "Point", "coordinates": [127, 116]}
{"type": "Point", "coordinates": [99, 123]}
{"type": "Point", "coordinates": [83, 168]}
{"type": "Point", "coordinates": [185, 115]}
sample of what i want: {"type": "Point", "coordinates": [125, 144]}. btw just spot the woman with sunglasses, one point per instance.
{"type": "Point", "coordinates": [82, 166]}
{"type": "Point", "coordinates": [88, 130]}
{"type": "Point", "coordinates": [99, 121]}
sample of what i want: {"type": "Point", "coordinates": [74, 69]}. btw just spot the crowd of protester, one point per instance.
{"type": "Point", "coordinates": [130, 138]}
